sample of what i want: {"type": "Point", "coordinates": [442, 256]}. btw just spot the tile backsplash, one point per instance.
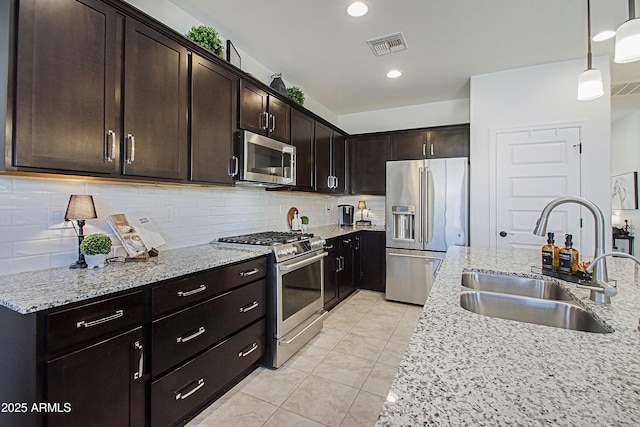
{"type": "Point", "coordinates": [34, 235]}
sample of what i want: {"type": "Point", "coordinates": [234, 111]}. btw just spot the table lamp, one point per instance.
{"type": "Point", "coordinates": [80, 208]}
{"type": "Point", "coordinates": [362, 205]}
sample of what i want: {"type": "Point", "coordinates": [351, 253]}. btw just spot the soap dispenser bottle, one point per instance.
{"type": "Point", "coordinates": [568, 256]}
{"type": "Point", "coordinates": [550, 254]}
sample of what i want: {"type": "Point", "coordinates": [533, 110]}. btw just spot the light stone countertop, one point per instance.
{"type": "Point", "coordinates": [40, 290]}
{"type": "Point", "coordinates": [330, 231]}
{"type": "Point", "coordinates": [461, 368]}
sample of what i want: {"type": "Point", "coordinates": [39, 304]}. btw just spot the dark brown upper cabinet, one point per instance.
{"type": "Point", "coordinates": [302, 137]}
{"type": "Point", "coordinates": [330, 153]}
{"type": "Point", "coordinates": [213, 120]}
{"type": "Point", "coordinates": [97, 92]}
{"type": "Point", "coordinates": [433, 143]}
{"type": "Point", "coordinates": [411, 145]}
{"type": "Point", "coordinates": [368, 157]}
{"type": "Point", "coordinates": [263, 113]}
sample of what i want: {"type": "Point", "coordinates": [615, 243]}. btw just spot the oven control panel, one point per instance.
{"type": "Point", "coordinates": [286, 251]}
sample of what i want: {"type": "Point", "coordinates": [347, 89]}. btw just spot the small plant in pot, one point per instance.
{"type": "Point", "coordinates": [95, 248]}
{"type": "Point", "coordinates": [206, 37]}
{"type": "Point", "coordinates": [296, 95]}
{"type": "Point", "coordinates": [305, 222]}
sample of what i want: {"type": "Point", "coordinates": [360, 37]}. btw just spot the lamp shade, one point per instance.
{"type": "Point", "coordinates": [362, 204]}
{"type": "Point", "coordinates": [628, 42]}
{"type": "Point", "coordinates": [590, 85]}
{"type": "Point", "coordinates": [80, 207]}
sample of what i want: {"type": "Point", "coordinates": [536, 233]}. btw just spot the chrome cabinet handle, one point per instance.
{"type": "Point", "coordinates": [110, 155]}
{"type": "Point", "coordinates": [89, 324]}
{"type": "Point", "coordinates": [201, 330]}
{"type": "Point", "coordinates": [244, 353]}
{"type": "Point", "coordinates": [273, 122]}
{"type": "Point", "coordinates": [303, 263]}
{"type": "Point", "coordinates": [200, 288]}
{"type": "Point", "coordinates": [138, 374]}
{"type": "Point", "coordinates": [233, 161]}
{"type": "Point", "coordinates": [328, 247]}
{"type": "Point", "coordinates": [264, 118]}
{"type": "Point", "coordinates": [250, 272]}
{"type": "Point", "coordinates": [249, 307]}
{"type": "Point", "coordinates": [199, 385]}
{"type": "Point", "coordinates": [432, 149]}
{"type": "Point", "coordinates": [132, 149]}
{"type": "Point", "coordinates": [424, 150]}
{"type": "Point", "coordinates": [335, 185]}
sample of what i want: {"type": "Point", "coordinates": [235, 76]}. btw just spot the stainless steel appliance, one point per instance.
{"type": "Point", "coordinates": [426, 212]}
{"type": "Point", "coordinates": [263, 161]}
{"type": "Point", "coordinates": [345, 215]}
{"type": "Point", "coordinates": [296, 294]}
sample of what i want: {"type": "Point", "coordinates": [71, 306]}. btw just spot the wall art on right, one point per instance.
{"type": "Point", "coordinates": [624, 191]}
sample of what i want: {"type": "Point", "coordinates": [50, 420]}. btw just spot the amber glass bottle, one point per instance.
{"type": "Point", "coordinates": [550, 252]}
{"type": "Point", "coordinates": [568, 256]}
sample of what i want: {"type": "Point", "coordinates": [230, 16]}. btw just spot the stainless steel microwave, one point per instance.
{"type": "Point", "coordinates": [264, 161]}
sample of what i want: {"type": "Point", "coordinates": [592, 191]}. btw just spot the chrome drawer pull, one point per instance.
{"type": "Point", "coordinates": [199, 332]}
{"type": "Point", "coordinates": [199, 385]}
{"type": "Point", "coordinates": [249, 307]}
{"type": "Point", "coordinates": [192, 291]}
{"type": "Point", "coordinates": [250, 272]}
{"type": "Point", "coordinates": [116, 315]}
{"type": "Point", "coordinates": [253, 348]}
{"type": "Point", "coordinates": [138, 374]}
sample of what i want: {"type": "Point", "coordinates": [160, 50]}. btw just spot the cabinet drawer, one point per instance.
{"type": "Point", "coordinates": [88, 321]}
{"type": "Point", "coordinates": [180, 335]}
{"type": "Point", "coordinates": [347, 242]}
{"type": "Point", "coordinates": [185, 389]}
{"type": "Point", "coordinates": [179, 293]}
{"type": "Point", "coordinates": [332, 245]}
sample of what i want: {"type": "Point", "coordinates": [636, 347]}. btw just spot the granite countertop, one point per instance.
{"type": "Point", "coordinates": [330, 231]}
{"type": "Point", "coordinates": [461, 368]}
{"type": "Point", "coordinates": [40, 290]}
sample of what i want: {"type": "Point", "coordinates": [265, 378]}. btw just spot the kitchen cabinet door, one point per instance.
{"type": "Point", "coordinates": [102, 383]}
{"type": "Point", "coordinates": [263, 113]}
{"type": "Point", "coordinates": [409, 145]}
{"type": "Point", "coordinates": [340, 162]}
{"type": "Point", "coordinates": [302, 137]}
{"type": "Point", "coordinates": [448, 142]}
{"type": "Point", "coordinates": [373, 260]}
{"type": "Point", "coordinates": [357, 259]}
{"type": "Point", "coordinates": [65, 92]}
{"type": "Point", "coordinates": [280, 118]}
{"type": "Point", "coordinates": [213, 120]}
{"type": "Point", "coordinates": [324, 158]}
{"type": "Point", "coordinates": [346, 283]}
{"type": "Point", "coordinates": [369, 155]}
{"type": "Point", "coordinates": [331, 265]}
{"type": "Point", "coordinates": [155, 105]}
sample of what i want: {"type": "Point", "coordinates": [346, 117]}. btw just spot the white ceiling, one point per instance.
{"type": "Point", "coordinates": [321, 49]}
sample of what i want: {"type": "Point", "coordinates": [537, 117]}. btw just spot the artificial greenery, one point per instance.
{"type": "Point", "coordinates": [95, 244]}
{"type": "Point", "coordinates": [206, 37]}
{"type": "Point", "coordinates": [296, 95]}
{"type": "Point", "coordinates": [304, 219]}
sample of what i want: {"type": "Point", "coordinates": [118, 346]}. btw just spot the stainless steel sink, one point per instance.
{"type": "Point", "coordinates": [559, 314]}
{"type": "Point", "coordinates": [514, 285]}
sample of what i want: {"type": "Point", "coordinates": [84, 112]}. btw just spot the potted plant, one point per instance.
{"type": "Point", "coordinates": [95, 248]}
{"type": "Point", "coordinates": [295, 94]}
{"type": "Point", "coordinates": [206, 37]}
{"type": "Point", "coordinates": [305, 222]}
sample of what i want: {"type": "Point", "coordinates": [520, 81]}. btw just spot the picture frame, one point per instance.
{"type": "Point", "coordinates": [233, 57]}
{"type": "Point", "coordinates": [624, 191]}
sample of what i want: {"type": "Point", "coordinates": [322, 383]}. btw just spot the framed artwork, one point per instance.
{"type": "Point", "coordinates": [624, 191]}
{"type": "Point", "coordinates": [232, 55]}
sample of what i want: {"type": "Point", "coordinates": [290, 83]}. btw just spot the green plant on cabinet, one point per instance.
{"type": "Point", "coordinates": [206, 37]}
{"type": "Point", "coordinates": [296, 95]}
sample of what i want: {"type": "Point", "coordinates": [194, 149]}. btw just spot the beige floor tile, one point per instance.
{"type": "Point", "coordinates": [362, 346]}
{"type": "Point", "coordinates": [209, 411]}
{"type": "Point", "coordinates": [364, 411]}
{"type": "Point", "coordinates": [379, 380]}
{"type": "Point", "coordinates": [403, 332]}
{"type": "Point", "coordinates": [321, 400]}
{"type": "Point", "coordinates": [284, 418]}
{"type": "Point", "coordinates": [400, 338]}
{"type": "Point", "coordinates": [369, 326]}
{"type": "Point", "coordinates": [353, 307]}
{"type": "Point", "coordinates": [345, 369]}
{"type": "Point", "coordinates": [389, 306]}
{"type": "Point", "coordinates": [241, 410]}
{"type": "Point", "coordinates": [307, 358]}
{"type": "Point", "coordinates": [388, 318]}
{"type": "Point", "coordinates": [392, 354]}
{"type": "Point", "coordinates": [272, 385]}
{"type": "Point", "coordinates": [343, 320]}
{"type": "Point", "coordinates": [328, 337]}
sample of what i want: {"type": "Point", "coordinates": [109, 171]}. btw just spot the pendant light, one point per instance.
{"type": "Point", "coordinates": [628, 38]}
{"type": "Point", "coordinates": [590, 81]}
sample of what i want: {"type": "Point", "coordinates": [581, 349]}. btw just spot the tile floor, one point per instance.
{"type": "Point", "coordinates": [340, 378]}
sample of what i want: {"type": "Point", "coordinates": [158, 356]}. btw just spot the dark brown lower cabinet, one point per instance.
{"type": "Point", "coordinates": [372, 259]}
{"type": "Point", "coordinates": [100, 385]}
{"type": "Point", "coordinates": [178, 395]}
{"type": "Point", "coordinates": [331, 265]}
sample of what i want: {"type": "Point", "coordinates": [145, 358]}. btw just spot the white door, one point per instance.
{"type": "Point", "coordinates": [532, 167]}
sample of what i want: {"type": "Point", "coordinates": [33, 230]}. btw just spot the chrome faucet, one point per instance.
{"type": "Point", "coordinates": [607, 289]}
{"type": "Point", "coordinates": [601, 289]}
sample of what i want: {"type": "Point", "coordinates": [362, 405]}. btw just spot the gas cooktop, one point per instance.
{"type": "Point", "coordinates": [268, 238]}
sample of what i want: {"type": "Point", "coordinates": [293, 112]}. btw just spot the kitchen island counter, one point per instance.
{"type": "Point", "coordinates": [461, 368]}
{"type": "Point", "coordinates": [40, 290]}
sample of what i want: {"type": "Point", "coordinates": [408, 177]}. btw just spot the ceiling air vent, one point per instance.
{"type": "Point", "coordinates": [625, 88]}
{"type": "Point", "coordinates": [387, 44]}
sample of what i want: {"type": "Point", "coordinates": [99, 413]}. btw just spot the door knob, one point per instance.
{"type": "Point", "coordinates": [504, 233]}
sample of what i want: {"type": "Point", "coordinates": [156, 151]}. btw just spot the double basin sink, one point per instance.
{"type": "Point", "coordinates": [530, 300]}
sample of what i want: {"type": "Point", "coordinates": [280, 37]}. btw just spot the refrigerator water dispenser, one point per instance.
{"type": "Point", "coordinates": [404, 218]}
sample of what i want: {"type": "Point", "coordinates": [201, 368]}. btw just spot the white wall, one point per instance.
{"type": "Point", "coordinates": [535, 96]}
{"type": "Point", "coordinates": [625, 157]}
{"type": "Point", "coordinates": [409, 117]}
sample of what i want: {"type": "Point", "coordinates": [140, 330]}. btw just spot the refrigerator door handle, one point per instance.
{"type": "Point", "coordinates": [428, 207]}
{"type": "Point", "coordinates": [421, 206]}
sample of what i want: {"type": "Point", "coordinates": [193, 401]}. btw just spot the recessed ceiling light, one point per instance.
{"type": "Point", "coordinates": [394, 74]}
{"type": "Point", "coordinates": [357, 9]}
{"type": "Point", "coordinates": [604, 35]}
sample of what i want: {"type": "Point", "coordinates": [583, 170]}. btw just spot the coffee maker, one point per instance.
{"type": "Point", "coordinates": [346, 213]}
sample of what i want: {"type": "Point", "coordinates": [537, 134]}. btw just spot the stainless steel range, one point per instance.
{"type": "Point", "coordinates": [296, 294]}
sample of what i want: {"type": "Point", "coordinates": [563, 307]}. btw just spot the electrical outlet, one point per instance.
{"type": "Point", "coordinates": [169, 214]}
{"type": "Point", "coordinates": [55, 219]}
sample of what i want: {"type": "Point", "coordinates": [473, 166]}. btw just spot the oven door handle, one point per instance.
{"type": "Point", "coordinates": [295, 265]}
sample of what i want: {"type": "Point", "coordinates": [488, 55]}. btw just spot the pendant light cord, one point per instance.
{"type": "Point", "coordinates": [589, 33]}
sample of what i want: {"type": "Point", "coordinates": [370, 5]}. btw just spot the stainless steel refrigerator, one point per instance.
{"type": "Point", "coordinates": [426, 212]}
